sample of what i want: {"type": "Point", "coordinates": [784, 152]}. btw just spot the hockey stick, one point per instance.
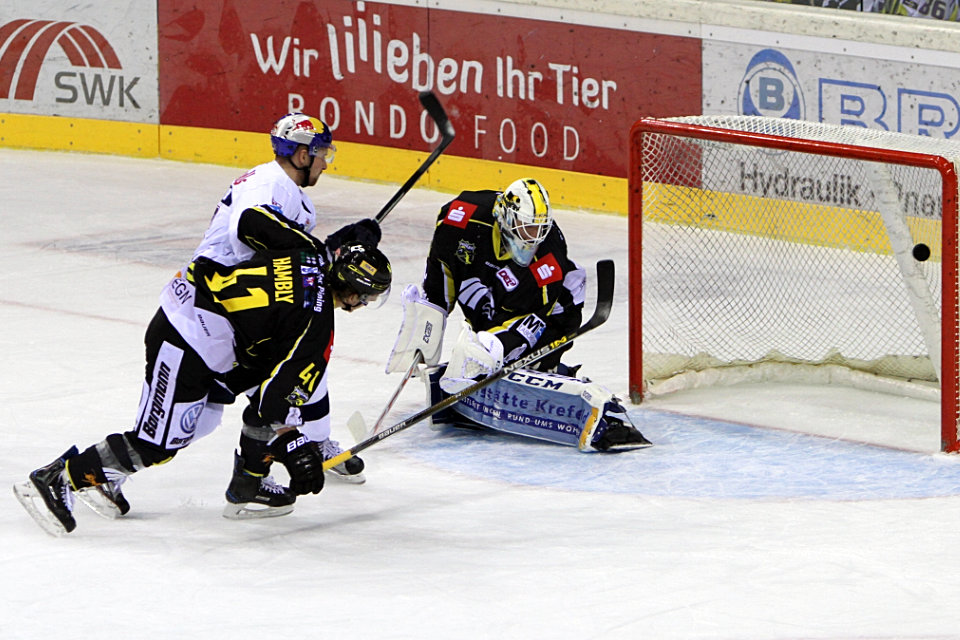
{"type": "Point", "coordinates": [439, 116]}
{"type": "Point", "coordinates": [356, 423]}
{"type": "Point", "coordinates": [435, 110]}
{"type": "Point", "coordinates": [605, 272]}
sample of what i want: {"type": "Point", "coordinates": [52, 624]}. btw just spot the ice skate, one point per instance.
{"type": "Point", "coordinates": [48, 498]}
{"type": "Point", "coordinates": [250, 496]}
{"type": "Point", "coordinates": [106, 500]}
{"type": "Point", "coordinates": [349, 471]}
{"type": "Point", "coordinates": [619, 433]}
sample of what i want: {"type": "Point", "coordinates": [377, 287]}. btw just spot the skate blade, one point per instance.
{"type": "Point", "coordinates": [253, 511]}
{"type": "Point", "coordinates": [357, 478]}
{"type": "Point", "coordinates": [624, 448]}
{"type": "Point", "coordinates": [33, 503]}
{"type": "Point", "coordinates": [98, 503]}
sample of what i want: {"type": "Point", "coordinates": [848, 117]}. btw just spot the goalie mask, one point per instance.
{"type": "Point", "coordinates": [363, 270]}
{"type": "Point", "coordinates": [524, 214]}
{"type": "Point", "coordinates": [295, 129]}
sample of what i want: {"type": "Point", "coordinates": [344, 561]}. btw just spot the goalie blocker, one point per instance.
{"type": "Point", "coordinates": [546, 406]}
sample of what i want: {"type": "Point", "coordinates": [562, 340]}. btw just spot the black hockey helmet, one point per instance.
{"type": "Point", "coordinates": [362, 269]}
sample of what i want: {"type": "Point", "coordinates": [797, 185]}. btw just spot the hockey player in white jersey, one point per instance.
{"type": "Point", "coordinates": [303, 149]}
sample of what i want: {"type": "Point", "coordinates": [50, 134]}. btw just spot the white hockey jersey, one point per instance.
{"type": "Point", "coordinates": [264, 184]}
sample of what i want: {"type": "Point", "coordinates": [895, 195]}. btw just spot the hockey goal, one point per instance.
{"type": "Point", "coordinates": [767, 249]}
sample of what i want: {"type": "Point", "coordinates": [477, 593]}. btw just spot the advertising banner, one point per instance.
{"type": "Point", "coordinates": [518, 90]}
{"type": "Point", "coordinates": [82, 59]}
{"type": "Point", "coordinates": [874, 93]}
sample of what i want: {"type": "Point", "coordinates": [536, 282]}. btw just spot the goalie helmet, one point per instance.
{"type": "Point", "coordinates": [364, 270]}
{"type": "Point", "coordinates": [525, 218]}
{"type": "Point", "coordinates": [295, 129]}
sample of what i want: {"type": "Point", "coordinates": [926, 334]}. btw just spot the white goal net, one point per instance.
{"type": "Point", "coordinates": [766, 248]}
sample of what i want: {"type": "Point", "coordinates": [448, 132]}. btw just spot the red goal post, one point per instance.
{"type": "Point", "coordinates": [768, 249]}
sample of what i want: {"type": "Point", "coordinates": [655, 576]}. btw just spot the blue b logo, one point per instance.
{"type": "Point", "coordinates": [770, 87]}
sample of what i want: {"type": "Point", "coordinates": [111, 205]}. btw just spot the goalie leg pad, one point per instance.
{"type": "Point", "coordinates": [448, 417]}
{"type": "Point", "coordinates": [545, 406]}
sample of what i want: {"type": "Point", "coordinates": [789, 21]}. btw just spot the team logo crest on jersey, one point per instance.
{"type": "Point", "coordinates": [298, 397]}
{"type": "Point", "coordinates": [459, 213]}
{"type": "Point", "coordinates": [506, 277]}
{"type": "Point", "coordinates": [546, 270]}
{"type": "Point", "coordinates": [466, 252]}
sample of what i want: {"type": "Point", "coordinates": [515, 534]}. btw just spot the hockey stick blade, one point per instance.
{"type": "Point", "coordinates": [430, 102]}
{"type": "Point", "coordinates": [605, 281]}
{"type": "Point", "coordinates": [435, 110]}
{"type": "Point", "coordinates": [357, 426]}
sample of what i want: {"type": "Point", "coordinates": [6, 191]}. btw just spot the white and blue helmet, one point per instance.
{"type": "Point", "coordinates": [295, 129]}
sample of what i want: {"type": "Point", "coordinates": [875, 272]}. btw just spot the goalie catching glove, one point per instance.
{"type": "Point", "coordinates": [302, 459]}
{"type": "Point", "coordinates": [476, 355]}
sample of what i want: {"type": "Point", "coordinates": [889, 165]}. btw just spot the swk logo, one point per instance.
{"type": "Point", "coordinates": [25, 45]}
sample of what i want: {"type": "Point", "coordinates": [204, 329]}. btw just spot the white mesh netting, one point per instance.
{"type": "Point", "coordinates": [753, 254]}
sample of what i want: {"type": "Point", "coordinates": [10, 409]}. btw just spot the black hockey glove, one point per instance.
{"type": "Point", "coordinates": [366, 231]}
{"type": "Point", "coordinates": [302, 460]}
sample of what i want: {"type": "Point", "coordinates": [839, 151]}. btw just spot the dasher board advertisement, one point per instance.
{"type": "Point", "coordinates": [520, 90]}
{"type": "Point", "coordinates": [895, 90]}
{"type": "Point", "coordinates": [84, 59]}
{"type": "Point", "coordinates": [901, 94]}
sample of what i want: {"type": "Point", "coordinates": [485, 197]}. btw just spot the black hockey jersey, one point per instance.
{"type": "Point", "coordinates": [281, 315]}
{"type": "Point", "coordinates": [525, 307]}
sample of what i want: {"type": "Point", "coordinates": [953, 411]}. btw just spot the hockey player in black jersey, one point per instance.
{"type": "Point", "coordinates": [502, 260]}
{"type": "Point", "coordinates": [507, 267]}
{"type": "Point", "coordinates": [267, 322]}
{"type": "Point", "coordinates": [303, 148]}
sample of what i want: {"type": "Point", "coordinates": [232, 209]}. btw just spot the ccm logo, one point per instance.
{"type": "Point", "coordinates": [294, 444]}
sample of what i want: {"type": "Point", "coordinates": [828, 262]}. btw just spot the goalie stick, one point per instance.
{"type": "Point", "coordinates": [356, 423]}
{"type": "Point", "coordinates": [605, 273]}
{"type": "Point", "coordinates": [435, 110]}
{"type": "Point", "coordinates": [439, 116]}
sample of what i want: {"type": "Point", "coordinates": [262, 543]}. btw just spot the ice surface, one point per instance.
{"type": "Point", "coordinates": [741, 526]}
